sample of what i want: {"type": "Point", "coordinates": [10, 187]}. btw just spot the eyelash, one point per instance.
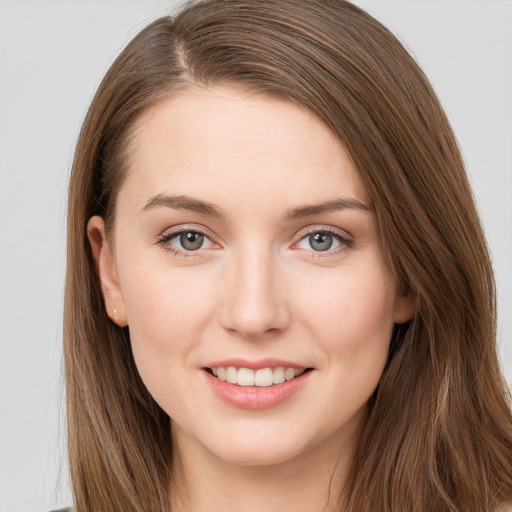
{"type": "Point", "coordinates": [346, 243]}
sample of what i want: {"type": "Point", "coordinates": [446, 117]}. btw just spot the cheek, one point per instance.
{"type": "Point", "coordinates": [354, 303]}
{"type": "Point", "coordinates": [167, 312]}
{"type": "Point", "coordinates": [352, 325]}
{"type": "Point", "coordinates": [353, 322]}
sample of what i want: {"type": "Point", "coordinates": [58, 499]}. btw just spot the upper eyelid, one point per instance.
{"type": "Point", "coordinates": [328, 229]}
{"type": "Point", "coordinates": [303, 232]}
{"type": "Point", "coordinates": [171, 232]}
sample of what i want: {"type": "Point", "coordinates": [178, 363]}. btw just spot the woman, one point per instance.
{"type": "Point", "coordinates": [278, 290]}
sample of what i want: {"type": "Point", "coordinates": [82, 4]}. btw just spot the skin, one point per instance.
{"type": "Point", "coordinates": [256, 288]}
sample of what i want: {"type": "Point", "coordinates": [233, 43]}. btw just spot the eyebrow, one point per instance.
{"type": "Point", "coordinates": [183, 202]}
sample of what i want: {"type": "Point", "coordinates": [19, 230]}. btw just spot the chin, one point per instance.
{"type": "Point", "coordinates": [257, 455]}
{"type": "Point", "coordinates": [259, 448]}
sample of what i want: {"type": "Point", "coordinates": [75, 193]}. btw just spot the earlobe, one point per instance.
{"type": "Point", "coordinates": [405, 307]}
{"type": "Point", "coordinates": [106, 269]}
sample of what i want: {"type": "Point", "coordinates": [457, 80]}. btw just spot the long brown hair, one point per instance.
{"type": "Point", "coordinates": [439, 433]}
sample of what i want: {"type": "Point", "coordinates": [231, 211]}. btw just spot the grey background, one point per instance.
{"type": "Point", "coordinates": [52, 56]}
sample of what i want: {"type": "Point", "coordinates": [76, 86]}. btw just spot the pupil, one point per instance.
{"type": "Point", "coordinates": [191, 241]}
{"type": "Point", "coordinates": [320, 241]}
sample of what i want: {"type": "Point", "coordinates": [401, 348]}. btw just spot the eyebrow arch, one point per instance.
{"type": "Point", "coordinates": [326, 207]}
{"type": "Point", "coordinates": [184, 202]}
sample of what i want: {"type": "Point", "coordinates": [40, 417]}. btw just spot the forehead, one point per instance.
{"type": "Point", "coordinates": [204, 140]}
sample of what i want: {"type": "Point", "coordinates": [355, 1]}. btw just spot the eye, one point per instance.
{"type": "Point", "coordinates": [325, 241]}
{"type": "Point", "coordinates": [185, 241]}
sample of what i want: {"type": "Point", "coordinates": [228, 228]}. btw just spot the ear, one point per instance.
{"type": "Point", "coordinates": [405, 307]}
{"type": "Point", "coordinates": [107, 272]}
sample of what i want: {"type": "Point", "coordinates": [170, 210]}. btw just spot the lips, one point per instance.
{"type": "Point", "coordinates": [255, 384]}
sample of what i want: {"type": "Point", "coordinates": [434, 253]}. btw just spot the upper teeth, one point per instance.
{"type": "Point", "coordinates": [261, 378]}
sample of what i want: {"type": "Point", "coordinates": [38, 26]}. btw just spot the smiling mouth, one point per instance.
{"type": "Point", "coordinates": [265, 377]}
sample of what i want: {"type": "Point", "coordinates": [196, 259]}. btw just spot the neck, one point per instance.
{"type": "Point", "coordinates": [311, 482]}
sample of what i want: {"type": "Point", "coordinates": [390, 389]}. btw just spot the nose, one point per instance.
{"type": "Point", "coordinates": [255, 303]}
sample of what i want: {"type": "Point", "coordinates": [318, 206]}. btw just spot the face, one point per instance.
{"type": "Point", "coordinates": [245, 246]}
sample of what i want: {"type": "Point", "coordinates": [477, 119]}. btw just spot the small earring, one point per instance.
{"type": "Point", "coordinates": [115, 314]}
